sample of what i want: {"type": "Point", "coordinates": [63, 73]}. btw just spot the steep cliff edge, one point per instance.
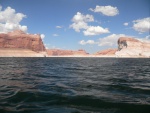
{"type": "Point", "coordinates": [20, 44]}
{"type": "Point", "coordinates": [130, 47]}
{"type": "Point", "coordinates": [59, 52]}
{"type": "Point", "coordinates": [18, 39]}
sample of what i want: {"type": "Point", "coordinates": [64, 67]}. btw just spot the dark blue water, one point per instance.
{"type": "Point", "coordinates": [74, 85]}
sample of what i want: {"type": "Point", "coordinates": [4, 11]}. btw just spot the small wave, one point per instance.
{"type": "Point", "coordinates": [72, 85]}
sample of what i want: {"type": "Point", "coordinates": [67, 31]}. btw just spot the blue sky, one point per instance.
{"type": "Point", "coordinates": [92, 25]}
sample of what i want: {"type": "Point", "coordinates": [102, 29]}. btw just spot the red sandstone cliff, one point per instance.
{"type": "Point", "coordinates": [59, 52]}
{"type": "Point", "coordinates": [107, 52]}
{"type": "Point", "coordinates": [20, 44]}
{"type": "Point", "coordinates": [20, 40]}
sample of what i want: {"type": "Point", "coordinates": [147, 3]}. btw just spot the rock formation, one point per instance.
{"type": "Point", "coordinates": [59, 52]}
{"type": "Point", "coordinates": [130, 47]}
{"type": "Point", "coordinates": [107, 53]}
{"type": "Point", "coordinates": [127, 47]}
{"type": "Point", "coordinates": [20, 44]}
{"type": "Point", "coordinates": [21, 40]}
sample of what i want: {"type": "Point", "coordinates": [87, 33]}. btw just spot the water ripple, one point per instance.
{"type": "Point", "coordinates": [74, 85]}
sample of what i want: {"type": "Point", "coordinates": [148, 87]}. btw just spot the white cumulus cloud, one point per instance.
{"type": "Point", "coordinates": [142, 25]}
{"type": "Point", "coordinates": [83, 42]}
{"type": "Point", "coordinates": [79, 25]}
{"type": "Point", "coordinates": [10, 20]}
{"type": "Point", "coordinates": [80, 22]}
{"type": "Point", "coordinates": [126, 24]}
{"type": "Point", "coordinates": [95, 30]}
{"type": "Point", "coordinates": [42, 36]}
{"type": "Point", "coordinates": [145, 39]}
{"type": "Point", "coordinates": [106, 10]}
{"type": "Point", "coordinates": [80, 17]}
{"type": "Point", "coordinates": [110, 40]}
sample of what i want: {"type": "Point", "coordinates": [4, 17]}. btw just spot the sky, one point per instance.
{"type": "Point", "coordinates": [92, 25]}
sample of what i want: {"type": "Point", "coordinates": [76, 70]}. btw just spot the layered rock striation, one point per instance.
{"type": "Point", "coordinates": [130, 47]}
{"type": "Point", "coordinates": [18, 39]}
{"type": "Point", "coordinates": [20, 44]}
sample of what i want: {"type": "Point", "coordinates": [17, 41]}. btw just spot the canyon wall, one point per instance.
{"type": "Point", "coordinates": [20, 44]}
{"type": "Point", "coordinates": [18, 39]}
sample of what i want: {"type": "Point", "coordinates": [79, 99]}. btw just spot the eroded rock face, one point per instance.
{"type": "Point", "coordinates": [125, 42]}
{"type": "Point", "coordinates": [130, 47]}
{"type": "Point", "coordinates": [59, 52]}
{"type": "Point", "coordinates": [127, 47]}
{"type": "Point", "coordinates": [107, 52]}
{"type": "Point", "coordinates": [21, 40]}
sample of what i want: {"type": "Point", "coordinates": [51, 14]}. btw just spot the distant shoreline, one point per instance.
{"type": "Point", "coordinates": [67, 57]}
{"type": "Point", "coordinates": [29, 53]}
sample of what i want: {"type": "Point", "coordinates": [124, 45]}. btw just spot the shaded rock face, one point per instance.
{"type": "Point", "coordinates": [58, 52]}
{"type": "Point", "coordinates": [124, 42]}
{"type": "Point", "coordinates": [130, 47]}
{"type": "Point", "coordinates": [21, 40]}
{"type": "Point", "coordinates": [108, 52]}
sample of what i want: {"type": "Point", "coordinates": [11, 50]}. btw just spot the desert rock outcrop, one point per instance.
{"type": "Point", "coordinates": [130, 47]}
{"type": "Point", "coordinates": [59, 52]}
{"type": "Point", "coordinates": [20, 44]}
{"type": "Point", "coordinates": [107, 52]}
{"type": "Point", "coordinates": [18, 39]}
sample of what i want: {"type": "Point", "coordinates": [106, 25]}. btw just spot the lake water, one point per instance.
{"type": "Point", "coordinates": [74, 85]}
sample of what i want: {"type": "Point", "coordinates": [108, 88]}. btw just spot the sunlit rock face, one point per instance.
{"type": "Point", "coordinates": [7, 52]}
{"type": "Point", "coordinates": [20, 44]}
{"type": "Point", "coordinates": [59, 52]}
{"type": "Point", "coordinates": [130, 47]}
{"type": "Point", "coordinates": [19, 39]}
{"type": "Point", "coordinates": [107, 53]}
